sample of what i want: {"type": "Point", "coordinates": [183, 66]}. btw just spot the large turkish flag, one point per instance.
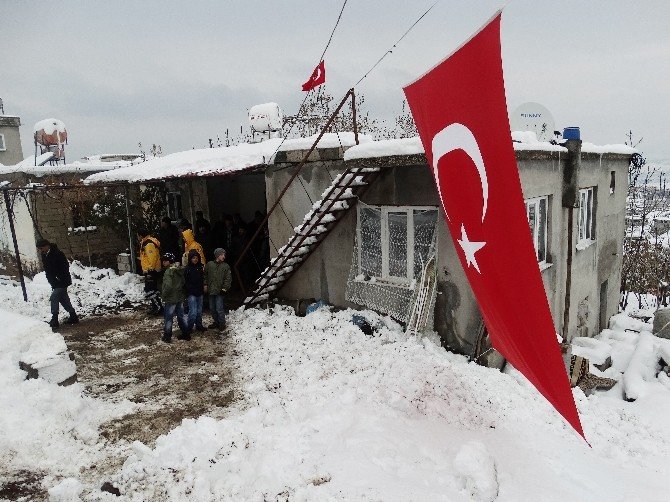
{"type": "Point", "coordinates": [461, 114]}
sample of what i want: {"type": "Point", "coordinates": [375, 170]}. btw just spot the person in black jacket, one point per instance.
{"type": "Point", "coordinates": [194, 277]}
{"type": "Point", "coordinates": [168, 236]}
{"type": "Point", "coordinates": [57, 270]}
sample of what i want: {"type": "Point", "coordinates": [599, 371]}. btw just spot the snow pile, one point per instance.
{"type": "Point", "coordinates": [521, 140]}
{"type": "Point", "coordinates": [39, 166]}
{"type": "Point", "coordinates": [600, 149]}
{"type": "Point", "coordinates": [328, 413]}
{"type": "Point", "coordinates": [640, 361]}
{"type": "Point", "coordinates": [44, 426]}
{"type": "Point", "coordinates": [49, 126]}
{"type": "Point", "coordinates": [93, 291]}
{"type": "Point", "coordinates": [385, 148]}
{"type": "Point", "coordinates": [328, 140]}
{"type": "Point", "coordinates": [527, 140]}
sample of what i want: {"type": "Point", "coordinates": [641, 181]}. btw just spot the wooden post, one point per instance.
{"type": "Point", "coordinates": [16, 246]}
{"type": "Point", "coordinates": [191, 203]}
{"type": "Point", "coordinates": [131, 240]}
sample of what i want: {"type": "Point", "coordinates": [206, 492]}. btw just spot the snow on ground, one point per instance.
{"type": "Point", "coordinates": [44, 427]}
{"type": "Point", "coordinates": [325, 412]}
{"type": "Point", "coordinates": [93, 290]}
{"type": "Point", "coordinates": [330, 414]}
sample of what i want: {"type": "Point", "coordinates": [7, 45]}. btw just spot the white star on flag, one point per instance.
{"type": "Point", "coordinates": [470, 248]}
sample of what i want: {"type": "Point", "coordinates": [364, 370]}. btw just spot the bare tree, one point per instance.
{"type": "Point", "coordinates": [646, 258]}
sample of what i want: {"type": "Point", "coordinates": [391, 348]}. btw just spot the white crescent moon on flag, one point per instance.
{"type": "Point", "coordinates": [458, 137]}
{"type": "Point", "coordinates": [318, 73]}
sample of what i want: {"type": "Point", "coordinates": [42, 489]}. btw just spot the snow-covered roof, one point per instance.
{"type": "Point", "coordinates": [521, 141]}
{"type": "Point", "coordinates": [219, 161]}
{"type": "Point", "coordinates": [40, 166]}
{"type": "Point", "coordinates": [192, 163]}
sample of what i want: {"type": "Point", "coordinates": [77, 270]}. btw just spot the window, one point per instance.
{"type": "Point", "coordinates": [394, 241]}
{"type": "Point", "coordinates": [174, 205]}
{"type": "Point", "coordinates": [612, 182]}
{"type": "Point", "coordinates": [2, 143]}
{"type": "Point", "coordinates": [537, 211]}
{"type": "Point", "coordinates": [586, 228]}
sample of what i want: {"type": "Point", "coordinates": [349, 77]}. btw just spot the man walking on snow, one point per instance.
{"type": "Point", "coordinates": [57, 270]}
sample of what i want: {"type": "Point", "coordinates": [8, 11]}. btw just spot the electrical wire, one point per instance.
{"type": "Point", "coordinates": [304, 100]}
{"type": "Point", "coordinates": [390, 51]}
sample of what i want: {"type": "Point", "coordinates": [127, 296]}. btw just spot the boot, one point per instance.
{"type": "Point", "coordinates": [167, 337]}
{"type": "Point", "coordinates": [201, 328]}
{"type": "Point", "coordinates": [73, 319]}
{"type": "Point", "coordinates": [54, 322]}
{"type": "Point", "coordinates": [184, 335]}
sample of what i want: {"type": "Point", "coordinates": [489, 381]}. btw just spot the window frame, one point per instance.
{"type": "Point", "coordinates": [535, 232]}
{"type": "Point", "coordinates": [3, 144]}
{"type": "Point", "coordinates": [384, 236]}
{"type": "Point", "coordinates": [586, 210]}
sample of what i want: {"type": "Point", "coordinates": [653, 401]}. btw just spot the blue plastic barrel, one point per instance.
{"type": "Point", "coordinates": [571, 133]}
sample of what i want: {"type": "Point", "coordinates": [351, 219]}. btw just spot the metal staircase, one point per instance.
{"type": "Point", "coordinates": [326, 213]}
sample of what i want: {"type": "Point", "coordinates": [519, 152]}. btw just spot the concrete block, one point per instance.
{"type": "Point", "coordinates": [662, 323]}
{"type": "Point", "coordinates": [61, 370]}
{"type": "Point", "coordinates": [123, 263]}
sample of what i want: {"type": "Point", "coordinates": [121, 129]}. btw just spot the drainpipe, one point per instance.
{"type": "Point", "coordinates": [570, 201]}
{"type": "Point", "coordinates": [191, 203]}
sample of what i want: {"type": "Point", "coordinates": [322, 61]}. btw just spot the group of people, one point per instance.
{"type": "Point", "coordinates": [170, 282]}
{"type": "Point", "coordinates": [234, 235]}
{"type": "Point", "coordinates": [178, 268]}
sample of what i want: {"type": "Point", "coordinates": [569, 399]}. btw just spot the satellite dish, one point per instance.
{"type": "Point", "coordinates": [533, 117]}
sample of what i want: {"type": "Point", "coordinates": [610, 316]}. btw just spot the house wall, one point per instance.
{"type": "Point", "coordinates": [324, 275]}
{"type": "Point", "coordinates": [604, 256]}
{"type": "Point", "coordinates": [13, 153]}
{"type": "Point", "coordinates": [23, 226]}
{"type": "Point", "coordinates": [54, 217]}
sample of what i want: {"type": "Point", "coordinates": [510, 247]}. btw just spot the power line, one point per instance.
{"type": "Point", "coordinates": [304, 100]}
{"type": "Point", "coordinates": [333, 32]}
{"type": "Point", "coordinates": [390, 51]}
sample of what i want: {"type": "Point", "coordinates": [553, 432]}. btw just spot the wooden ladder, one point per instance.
{"type": "Point", "coordinates": [317, 224]}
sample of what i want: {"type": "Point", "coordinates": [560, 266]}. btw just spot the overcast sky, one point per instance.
{"type": "Point", "coordinates": [177, 73]}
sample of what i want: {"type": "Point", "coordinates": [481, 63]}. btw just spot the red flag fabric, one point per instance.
{"type": "Point", "coordinates": [461, 114]}
{"type": "Point", "coordinates": [318, 77]}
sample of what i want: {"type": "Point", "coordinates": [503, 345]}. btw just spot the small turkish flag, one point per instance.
{"type": "Point", "coordinates": [318, 77]}
{"type": "Point", "coordinates": [460, 111]}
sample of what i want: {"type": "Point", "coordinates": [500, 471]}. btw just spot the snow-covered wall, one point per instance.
{"type": "Point", "coordinates": [25, 234]}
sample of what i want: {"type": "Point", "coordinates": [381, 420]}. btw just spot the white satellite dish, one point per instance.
{"type": "Point", "coordinates": [533, 117]}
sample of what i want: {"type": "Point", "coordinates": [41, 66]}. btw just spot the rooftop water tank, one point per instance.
{"type": "Point", "coordinates": [266, 117]}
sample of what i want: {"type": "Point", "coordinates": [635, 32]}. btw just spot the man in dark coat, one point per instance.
{"type": "Point", "coordinates": [57, 270]}
{"type": "Point", "coordinates": [168, 236]}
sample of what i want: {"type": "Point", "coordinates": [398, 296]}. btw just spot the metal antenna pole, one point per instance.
{"type": "Point", "coordinates": [131, 244]}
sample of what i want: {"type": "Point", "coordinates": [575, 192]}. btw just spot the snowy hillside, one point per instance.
{"type": "Point", "coordinates": [330, 414]}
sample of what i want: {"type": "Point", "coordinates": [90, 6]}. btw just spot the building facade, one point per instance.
{"type": "Point", "coordinates": [378, 254]}
{"type": "Point", "coordinates": [11, 151]}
